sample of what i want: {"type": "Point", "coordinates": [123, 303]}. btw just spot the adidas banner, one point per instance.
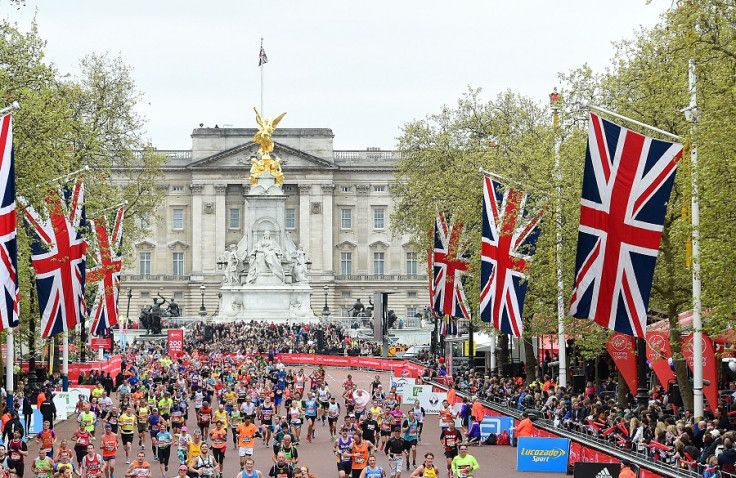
{"type": "Point", "coordinates": [596, 470]}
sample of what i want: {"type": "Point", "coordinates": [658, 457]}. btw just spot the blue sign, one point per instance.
{"type": "Point", "coordinates": [542, 454]}
{"type": "Point", "coordinates": [495, 425]}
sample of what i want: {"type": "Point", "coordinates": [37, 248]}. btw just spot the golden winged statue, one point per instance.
{"type": "Point", "coordinates": [263, 138]}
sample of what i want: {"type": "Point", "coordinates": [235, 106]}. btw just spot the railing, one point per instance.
{"type": "Point", "coordinates": [171, 154]}
{"type": "Point", "coordinates": [364, 323]}
{"type": "Point", "coordinates": [381, 277]}
{"type": "Point", "coordinates": [357, 155]}
{"type": "Point", "coordinates": [155, 277]}
{"type": "Point", "coordinates": [600, 443]}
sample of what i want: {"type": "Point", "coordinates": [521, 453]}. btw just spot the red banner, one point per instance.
{"type": "Point", "coordinates": [101, 343]}
{"type": "Point", "coordinates": [658, 354]}
{"type": "Point", "coordinates": [176, 342]}
{"type": "Point", "coordinates": [623, 352]}
{"type": "Point", "coordinates": [710, 371]}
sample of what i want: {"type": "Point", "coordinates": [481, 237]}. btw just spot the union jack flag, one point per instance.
{"type": "Point", "coordinates": [58, 256]}
{"type": "Point", "coordinates": [105, 275]}
{"type": "Point", "coordinates": [449, 325]}
{"type": "Point", "coordinates": [627, 182]}
{"type": "Point", "coordinates": [10, 298]}
{"type": "Point", "coordinates": [262, 58]}
{"type": "Point", "coordinates": [449, 266]}
{"type": "Point", "coordinates": [509, 236]}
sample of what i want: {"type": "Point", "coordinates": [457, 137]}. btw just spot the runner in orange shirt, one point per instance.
{"type": "Point", "coordinates": [219, 445]}
{"type": "Point", "coordinates": [246, 439]}
{"type": "Point", "coordinates": [140, 468]}
{"type": "Point", "coordinates": [47, 439]}
{"type": "Point", "coordinates": [109, 450]}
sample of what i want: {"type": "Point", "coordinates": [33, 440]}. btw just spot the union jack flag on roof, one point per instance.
{"type": "Point", "coordinates": [627, 182]}
{"type": "Point", "coordinates": [58, 256]}
{"type": "Point", "coordinates": [104, 276]}
{"type": "Point", "coordinates": [450, 263]}
{"type": "Point", "coordinates": [509, 237]}
{"type": "Point", "coordinates": [10, 296]}
{"type": "Point", "coordinates": [262, 58]}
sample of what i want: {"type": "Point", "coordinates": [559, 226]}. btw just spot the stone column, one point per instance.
{"type": "Point", "coordinates": [222, 217]}
{"type": "Point", "coordinates": [246, 215]}
{"type": "Point", "coordinates": [196, 215]}
{"type": "Point", "coordinates": [305, 235]}
{"type": "Point", "coordinates": [327, 229]}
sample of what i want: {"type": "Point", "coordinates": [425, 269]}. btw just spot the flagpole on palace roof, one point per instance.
{"type": "Point", "coordinates": [554, 98]}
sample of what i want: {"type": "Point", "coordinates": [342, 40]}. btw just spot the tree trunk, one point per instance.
{"type": "Point", "coordinates": [503, 351]}
{"type": "Point", "coordinates": [622, 391]}
{"type": "Point", "coordinates": [531, 361]}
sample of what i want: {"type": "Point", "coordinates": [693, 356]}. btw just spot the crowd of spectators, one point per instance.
{"type": "Point", "coordinates": [658, 431]}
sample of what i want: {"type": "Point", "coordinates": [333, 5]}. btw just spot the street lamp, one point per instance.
{"type": "Point", "coordinates": [127, 313]}
{"type": "Point", "coordinates": [326, 309]}
{"type": "Point", "coordinates": [202, 308]}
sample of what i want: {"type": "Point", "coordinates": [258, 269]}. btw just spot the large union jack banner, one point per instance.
{"type": "Point", "coordinates": [627, 182]}
{"type": "Point", "coordinates": [10, 296]}
{"type": "Point", "coordinates": [104, 276]}
{"type": "Point", "coordinates": [450, 264]}
{"type": "Point", "coordinates": [509, 236]}
{"type": "Point", "coordinates": [58, 256]}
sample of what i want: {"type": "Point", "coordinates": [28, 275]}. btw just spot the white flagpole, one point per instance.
{"type": "Point", "coordinates": [65, 361]}
{"type": "Point", "coordinates": [691, 114]}
{"type": "Point", "coordinates": [633, 121]}
{"type": "Point", "coordinates": [9, 367]}
{"type": "Point", "coordinates": [561, 342]}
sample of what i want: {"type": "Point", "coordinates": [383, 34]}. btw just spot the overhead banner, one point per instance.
{"type": "Point", "coordinates": [710, 372]}
{"type": "Point", "coordinates": [176, 342]}
{"type": "Point", "coordinates": [658, 354]}
{"type": "Point", "coordinates": [623, 352]}
{"type": "Point", "coordinates": [542, 454]}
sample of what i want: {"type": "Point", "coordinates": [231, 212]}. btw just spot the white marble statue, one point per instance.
{"type": "Point", "coordinates": [232, 277]}
{"type": "Point", "coordinates": [265, 256]}
{"type": "Point", "coordinates": [300, 265]}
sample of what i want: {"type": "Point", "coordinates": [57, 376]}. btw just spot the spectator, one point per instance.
{"type": "Point", "coordinates": [727, 458]}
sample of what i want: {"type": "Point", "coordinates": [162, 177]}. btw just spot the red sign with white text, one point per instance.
{"type": "Point", "coordinates": [710, 372]}
{"type": "Point", "coordinates": [621, 348]}
{"type": "Point", "coordinates": [658, 354]}
{"type": "Point", "coordinates": [101, 343]}
{"type": "Point", "coordinates": [176, 342]}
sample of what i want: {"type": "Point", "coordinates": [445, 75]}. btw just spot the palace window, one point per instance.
{"type": "Point", "coordinates": [290, 222]}
{"type": "Point", "coordinates": [234, 218]}
{"type": "Point", "coordinates": [346, 218]}
{"type": "Point", "coordinates": [411, 263]}
{"type": "Point", "coordinates": [178, 263]}
{"type": "Point", "coordinates": [379, 263]}
{"type": "Point", "coordinates": [378, 219]}
{"type": "Point", "coordinates": [178, 223]}
{"type": "Point", "coordinates": [346, 263]}
{"type": "Point", "coordinates": [144, 267]}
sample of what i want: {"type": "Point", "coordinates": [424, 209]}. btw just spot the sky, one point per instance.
{"type": "Point", "coordinates": [363, 69]}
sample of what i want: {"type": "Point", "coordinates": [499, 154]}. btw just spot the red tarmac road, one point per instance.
{"type": "Point", "coordinates": [495, 461]}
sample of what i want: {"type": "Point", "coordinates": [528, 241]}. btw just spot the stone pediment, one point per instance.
{"type": "Point", "coordinates": [239, 158]}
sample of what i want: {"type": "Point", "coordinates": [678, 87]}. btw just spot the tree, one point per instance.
{"type": "Point", "coordinates": [65, 124]}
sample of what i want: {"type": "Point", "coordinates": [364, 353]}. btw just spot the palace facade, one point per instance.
{"type": "Point", "coordinates": [338, 208]}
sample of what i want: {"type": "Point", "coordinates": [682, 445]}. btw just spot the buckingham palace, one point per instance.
{"type": "Point", "coordinates": [338, 207]}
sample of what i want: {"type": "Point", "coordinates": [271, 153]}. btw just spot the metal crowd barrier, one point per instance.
{"type": "Point", "coordinates": [599, 443]}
